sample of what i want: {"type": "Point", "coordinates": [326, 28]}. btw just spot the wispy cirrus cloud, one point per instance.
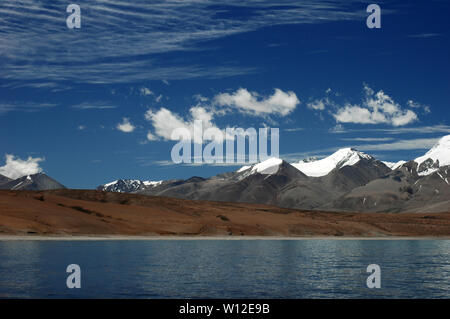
{"type": "Point", "coordinates": [440, 128]}
{"type": "Point", "coordinates": [410, 144]}
{"type": "Point", "coordinates": [368, 139]}
{"type": "Point", "coordinates": [94, 105]}
{"type": "Point", "coordinates": [119, 39]}
{"type": "Point", "coordinates": [6, 107]}
{"type": "Point", "coordinates": [425, 35]}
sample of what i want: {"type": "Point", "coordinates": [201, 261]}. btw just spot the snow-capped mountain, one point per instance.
{"type": "Point", "coordinates": [267, 167]}
{"type": "Point", "coordinates": [311, 166]}
{"type": "Point", "coordinates": [339, 159]}
{"type": "Point", "coordinates": [394, 165]}
{"type": "Point", "coordinates": [437, 156]}
{"type": "Point", "coordinates": [128, 185]}
{"type": "Point", "coordinates": [346, 180]}
{"type": "Point", "coordinates": [4, 179]}
{"type": "Point", "coordinates": [259, 183]}
{"type": "Point", "coordinates": [35, 182]}
{"type": "Point", "coordinates": [273, 181]}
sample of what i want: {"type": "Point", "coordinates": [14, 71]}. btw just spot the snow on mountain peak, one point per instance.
{"type": "Point", "coordinates": [152, 183]}
{"type": "Point", "coordinates": [110, 184]}
{"type": "Point", "coordinates": [243, 168]}
{"type": "Point", "coordinates": [267, 167]}
{"type": "Point", "coordinates": [128, 185]}
{"type": "Point", "coordinates": [437, 156]}
{"type": "Point", "coordinates": [394, 165]}
{"type": "Point", "coordinates": [340, 158]}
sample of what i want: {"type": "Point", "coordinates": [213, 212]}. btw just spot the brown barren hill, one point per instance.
{"type": "Point", "coordinates": [86, 212]}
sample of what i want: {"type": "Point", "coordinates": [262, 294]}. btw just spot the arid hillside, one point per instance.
{"type": "Point", "coordinates": [85, 212]}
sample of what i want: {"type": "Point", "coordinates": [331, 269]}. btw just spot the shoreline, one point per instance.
{"type": "Point", "coordinates": [4, 238]}
{"type": "Point", "coordinates": [91, 215]}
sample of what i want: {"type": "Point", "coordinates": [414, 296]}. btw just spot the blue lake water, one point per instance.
{"type": "Point", "coordinates": [225, 268]}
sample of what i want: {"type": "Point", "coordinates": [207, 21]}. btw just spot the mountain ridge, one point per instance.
{"type": "Point", "coordinates": [33, 182]}
{"type": "Point", "coordinates": [347, 180]}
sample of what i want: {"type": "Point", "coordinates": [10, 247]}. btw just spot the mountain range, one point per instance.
{"type": "Point", "coordinates": [35, 182]}
{"type": "Point", "coordinates": [347, 180]}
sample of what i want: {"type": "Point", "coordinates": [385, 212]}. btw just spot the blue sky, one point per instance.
{"type": "Point", "coordinates": [95, 104]}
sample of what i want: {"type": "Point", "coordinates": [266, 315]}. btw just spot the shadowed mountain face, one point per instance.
{"type": "Point", "coordinates": [401, 190]}
{"type": "Point", "coordinates": [123, 186]}
{"type": "Point", "coordinates": [315, 192]}
{"type": "Point", "coordinates": [35, 182]}
{"type": "Point", "coordinates": [4, 179]}
{"type": "Point", "coordinates": [243, 186]}
{"type": "Point", "coordinates": [348, 177]}
{"type": "Point", "coordinates": [279, 184]}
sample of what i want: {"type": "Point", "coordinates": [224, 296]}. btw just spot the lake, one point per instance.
{"type": "Point", "coordinates": [225, 268]}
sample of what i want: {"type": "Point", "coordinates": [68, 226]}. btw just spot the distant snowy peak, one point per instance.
{"type": "Point", "coordinates": [310, 166]}
{"type": "Point", "coordinates": [34, 182]}
{"type": "Point", "coordinates": [128, 185]}
{"type": "Point", "coordinates": [243, 168]}
{"type": "Point", "coordinates": [339, 159]}
{"type": "Point", "coordinates": [310, 159]}
{"type": "Point", "coordinates": [437, 156]}
{"type": "Point", "coordinates": [394, 165]}
{"type": "Point", "coordinates": [267, 167]}
{"type": "Point", "coordinates": [152, 183]}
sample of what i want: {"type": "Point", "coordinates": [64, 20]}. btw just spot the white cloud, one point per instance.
{"type": "Point", "coordinates": [146, 91]}
{"type": "Point", "coordinates": [125, 126]}
{"type": "Point", "coordinates": [355, 114]}
{"type": "Point", "coordinates": [81, 127]}
{"type": "Point", "coordinates": [280, 103]}
{"type": "Point", "coordinates": [158, 98]}
{"type": "Point", "coordinates": [418, 105]}
{"type": "Point", "coordinates": [16, 167]}
{"type": "Point", "coordinates": [376, 109]}
{"type": "Point", "coordinates": [165, 122]}
{"type": "Point", "coordinates": [201, 98]}
{"type": "Point", "coordinates": [151, 137]}
{"type": "Point", "coordinates": [404, 118]}
{"type": "Point", "coordinates": [414, 104]}
{"type": "Point", "coordinates": [381, 101]}
{"type": "Point", "coordinates": [318, 105]}
{"type": "Point", "coordinates": [338, 128]}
